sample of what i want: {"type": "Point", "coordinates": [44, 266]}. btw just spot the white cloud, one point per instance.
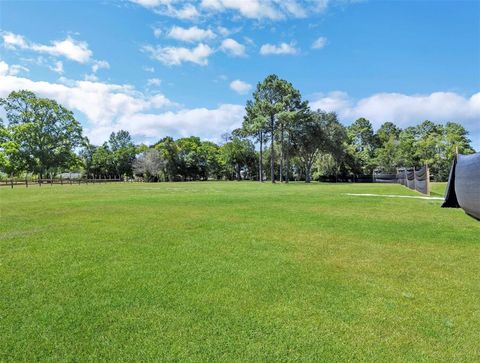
{"type": "Point", "coordinates": [188, 12]}
{"type": "Point", "coordinates": [240, 87]}
{"type": "Point", "coordinates": [267, 9]}
{"type": "Point", "coordinates": [251, 9]}
{"type": "Point", "coordinates": [192, 34]}
{"type": "Point", "coordinates": [151, 3]}
{"type": "Point", "coordinates": [224, 31]}
{"type": "Point", "coordinates": [154, 82]}
{"type": "Point", "coordinates": [57, 67]}
{"type": "Point", "coordinates": [149, 69]}
{"type": "Point", "coordinates": [13, 41]}
{"type": "Point", "coordinates": [203, 122]}
{"type": "Point", "coordinates": [17, 68]}
{"type": "Point", "coordinates": [168, 8]}
{"type": "Point", "coordinates": [12, 70]}
{"type": "Point", "coordinates": [282, 48]}
{"type": "Point", "coordinates": [3, 68]}
{"type": "Point", "coordinates": [110, 107]}
{"type": "Point", "coordinates": [69, 48]}
{"type": "Point", "coordinates": [319, 43]}
{"type": "Point", "coordinates": [293, 7]}
{"type": "Point", "coordinates": [157, 32]}
{"type": "Point", "coordinates": [178, 55]}
{"type": "Point", "coordinates": [254, 9]}
{"type": "Point", "coordinates": [91, 78]}
{"type": "Point", "coordinates": [160, 101]}
{"type": "Point", "coordinates": [102, 104]}
{"type": "Point", "coordinates": [232, 47]}
{"type": "Point", "coordinates": [404, 110]}
{"type": "Point", "coordinates": [319, 6]}
{"type": "Point", "coordinates": [99, 64]}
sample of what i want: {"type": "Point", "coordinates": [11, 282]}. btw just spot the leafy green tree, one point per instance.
{"type": "Point", "coordinates": [407, 147]}
{"type": "Point", "coordinates": [123, 153]}
{"type": "Point", "coordinates": [102, 163]}
{"type": "Point", "coordinates": [316, 132]}
{"type": "Point", "coordinates": [169, 152]}
{"type": "Point", "coordinates": [210, 153]}
{"type": "Point", "coordinates": [255, 125]}
{"type": "Point", "coordinates": [387, 152]}
{"type": "Point", "coordinates": [386, 131]}
{"type": "Point", "coordinates": [191, 164]}
{"type": "Point", "coordinates": [86, 154]}
{"type": "Point", "coordinates": [238, 154]}
{"type": "Point", "coordinates": [428, 147]}
{"type": "Point", "coordinates": [456, 137]}
{"type": "Point", "coordinates": [361, 146]}
{"type": "Point", "coordinates": [436, 145]}
{"type": "Point", "coordinates": [272, 97]}
{"type": "Point", "coordinates": [11, 160]}
{"type": "Point", "coordinates": [46, 133]}
{"type": "Point", "coordinates": [286, 123]}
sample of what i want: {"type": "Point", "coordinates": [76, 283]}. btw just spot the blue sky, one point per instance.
{"type": "Point", "coordinates": [174, 67]}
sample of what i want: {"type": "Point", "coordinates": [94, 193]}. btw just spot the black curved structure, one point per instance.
{"type": "Point", "coordinates": [463, 189]}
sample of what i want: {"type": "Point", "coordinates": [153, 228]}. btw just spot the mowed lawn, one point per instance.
{"type": "Point", "coordinates": [228, 271]}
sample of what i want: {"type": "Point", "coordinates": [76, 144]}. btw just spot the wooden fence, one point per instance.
{"type": "Point", "coordinates": [11, 182]}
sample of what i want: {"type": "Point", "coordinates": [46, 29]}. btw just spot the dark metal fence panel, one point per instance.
{"type": "Point", "coordinates": [402, 176]}
{"type": "Point", "coordinates": [345, 178]}
{"type": "Point", "coordinates": [418, 180]}
{"type": "Point", "coordinates": [421, 180]}
{"type": "Point", "coordinates": [411, 178]}
{"type": "Point", "coordinates": [385, 178]}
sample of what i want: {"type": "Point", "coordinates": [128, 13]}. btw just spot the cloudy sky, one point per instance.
{"type": "Point", "coordinates": [180, 68]}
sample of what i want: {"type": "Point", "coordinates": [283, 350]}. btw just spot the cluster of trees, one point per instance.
{"type": "Point", "coordinates": [112, 159]}
{"type": "Point", "coordinates": [43, 138]}
{"type": "Point", "coordinates": [314, 143]}
{"type": "Point", "coordinates": [280, 138]}
{"type": "Point", "coordinates": [391, 147]}
{"type": "Point", "coordinates": [190, 158]}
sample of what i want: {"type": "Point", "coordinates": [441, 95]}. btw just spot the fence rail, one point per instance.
{"type": "Point", "coordinates": [342, 178]}
{"type": "Point", "coordinates": [26, 182]}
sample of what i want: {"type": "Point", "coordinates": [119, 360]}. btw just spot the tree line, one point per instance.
{"type": "Point", "coordinates": [281, 139]}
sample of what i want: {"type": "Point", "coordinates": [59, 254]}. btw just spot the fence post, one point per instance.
{"type": "Point", "coordinates": [11, 182]}
{"type": "Point", "coordinates": [26, 182]}
{"type": "Point", "coordinates": [61, 180]}
{"type": "Point", "coordinates": [427, 171]}
{"type": "Point", "coordinates": [414, 179]}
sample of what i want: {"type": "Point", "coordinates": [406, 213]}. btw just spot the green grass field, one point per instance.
{"type": "Point", "coordinates": [226, 271]}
